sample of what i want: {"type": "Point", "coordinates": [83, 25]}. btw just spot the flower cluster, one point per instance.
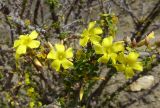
{"type": "Point", "coordinates": [111, 51]}
{"type": "Point", "coordinates": [106, 48]}
{"type": "Point", "coordinates": [59, 55]}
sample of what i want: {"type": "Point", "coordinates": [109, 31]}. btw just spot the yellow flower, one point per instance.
{"type": "Point", "coordinates": [90, 34]}
{"type": "Point", "coordinates": [128, 64]}
{"type": "Point", "coordinates": [108, 49]}
{"type": "Point", "coordinates": [26, 41]}
{"type": "Point", "coordinates": [60, 56]}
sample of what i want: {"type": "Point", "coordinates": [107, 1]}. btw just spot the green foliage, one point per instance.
{"type": "Point", "coordinates": [53, 3]}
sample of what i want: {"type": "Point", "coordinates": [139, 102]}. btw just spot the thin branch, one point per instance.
{"type": "Point", "coordinates": [36, 11]}
{"type": "Point", "coordinates": [70, 10]}
{"type": "Point", "coordinates": [143, 27]}
{"type": "Point", "coordinates": [127, 9]}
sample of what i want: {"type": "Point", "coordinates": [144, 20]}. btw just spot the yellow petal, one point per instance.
{"type": "Point", "coordinates": [69, 53]}
{"type": "Point", "coordinates": [95, 39]}
{"type": "Point", "coordinates": [118, 46]}
{"type": "Point", "coordinates": [59, 47]}
{"type": "Point", "coordinates": [91, 25]}
{"type": "Point", "coordinates": [132, 57]}
{"type": "Point", "coordinates": [16, 43]}
{"type": "Point", "coordinates": [97, 30]}
{"type": "Point", "coordinates": [51, 55]}
{"type": "Point", "coordinates": [103, 59]}
{"type": "Point", "coordinates": [66, 64]}
{"type": "Point", "coordinates": [85, 33]}
{"type": "Point", "coordinates": [113, 57]}
{"type": "Point", "coordinates": [121, 58]}
{"type": "Point", "coordinates": [83, 41]}
{"type": "Point", "coordinates": [22, 36]}
{"type": "Point", "coordinates": [33, 34]}
{"type": "Point", "coordinates": [21, 49]}
{"type": "Point", "coordinates": [129, 72]}
{"type": "Point", "coordinates": [137, 66]}
{"type": "Point", "coordinates": [34, 44]}
{"type": "Point", "coordinates": [107, 42]}
{"type": "Point", "coordinates": [56, 65]}
{"type": "Point", "coordinates": [120, 67]}
{"type": "Point", "coordinates": [98, 49]}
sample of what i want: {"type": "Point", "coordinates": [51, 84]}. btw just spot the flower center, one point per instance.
{"type": "Point", "coordinates": [26, 41]}
{"type": "Point", "coordinates": [61, 56]}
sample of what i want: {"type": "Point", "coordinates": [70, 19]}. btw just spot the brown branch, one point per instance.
{"type": "Point", "coordinates": [124, 6]}
{"type": "Point", "coordinates": [36, 11]}
{"type": "Point", "coordinates": [24, 2]}
{"type": "Point", "coordinates": [70, 10]}
{"type": "Point", "coordinates": [101, 87]}
{"type": "Point", "coordinates": [11, 30]}
{"type": "Point", "coordinates": [141, 28]}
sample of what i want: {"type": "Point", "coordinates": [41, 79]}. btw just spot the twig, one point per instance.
{"type": "Point", "coordinates": [101, 87]}
{"type": "Point", "coordinates": [70, 10]}
{"type": "Point", "coordinates": [11, 30]}
{"type": "Point", "coordinates": [142, 27]}
{"type": "Point", "coordinates": [36, 11]}
{"type": "Point", "coordinates": [127, 9]}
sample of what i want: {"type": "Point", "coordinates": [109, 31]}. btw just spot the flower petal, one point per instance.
{"type": "Point", "coordinates": [59, 47]}
{"type": "Point", "coordinates": [120, 67]}
{"type": "Point", "coordinates": [95, 39]}
{"type": "Point", "coordinates": [132, 57]}
{"type": "Point", "coordinates": [56, 65]}
{"type": "Point", "coordinates": [33, 34]}
{"type": "Point", "coordinates": [113, 57]}
{"type": "Point", "coordinates": [69, 53]}
{"type": "Point", "coordinates": [121, 58]}
{"type": "Point", "coordinates": [85, 33]}
{"type": "Point", "coordinates": [107, 42]}
{"type": "Point", "coordinates": [129, 72]}
{"type": "Point", "coordinates": [66, 64]}
{"type": "Point", "coordinates": [22, 36]}
{"type": "Point", "coordinates": [21, 49]}
{"type": "Point", "coordinates": [98, 49]}
{"type": "Point", "coordinates": [97, 30]}
{"type": "Point", "coordinates": [83, 41]}
{"type": "Point", "coordinates": [34, 44]}
{"type": "Point", "coordinates": [118, 46]}
{"type": "Point", "coordinates": [91, 25]}
{"type": "Point", "coordinates": [52, 55]}
{"type": "Point", "coordinates": [137, 66]}
{"type": "Point", "coordinates": [16, 43]}
{"type": "Point", "coordinates": [103, 59]}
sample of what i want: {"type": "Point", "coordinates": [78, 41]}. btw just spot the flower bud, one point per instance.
{"type": "Point", "coordinates": [38, 64]}
{"type": "Point", "coordinates": [134, 43]}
